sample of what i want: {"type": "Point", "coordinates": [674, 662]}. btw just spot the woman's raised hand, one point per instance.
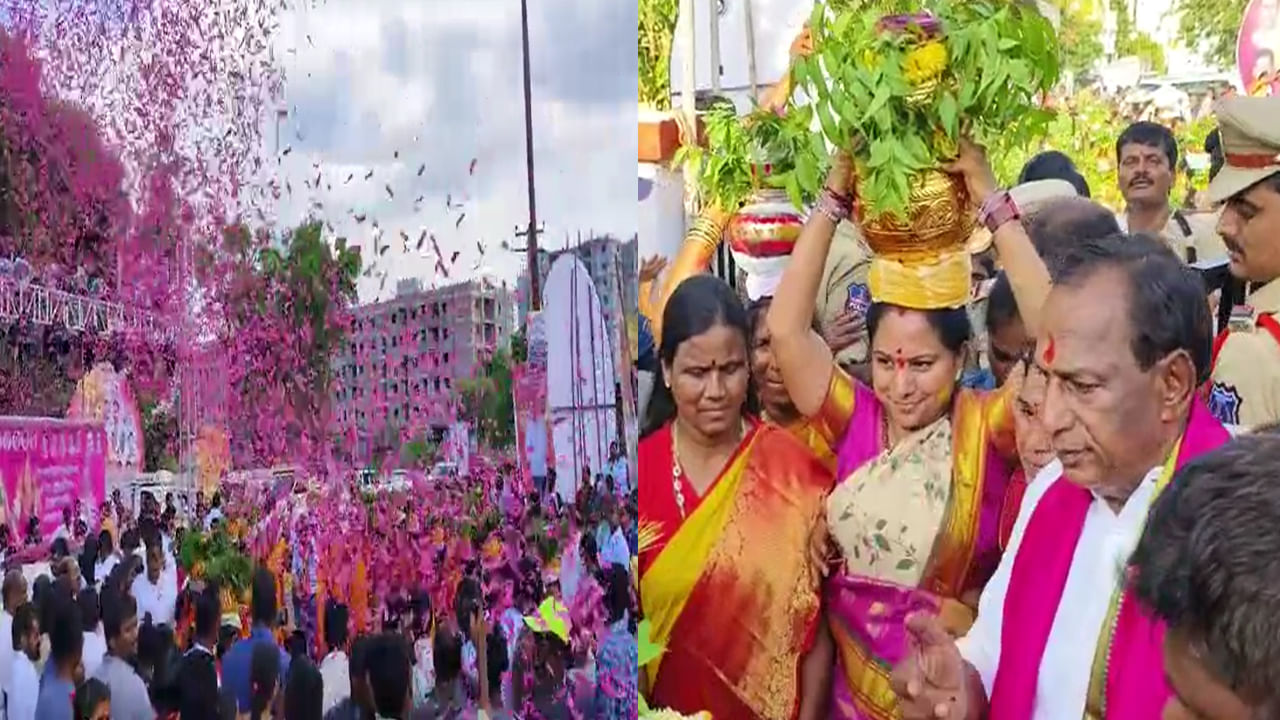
{"type": "Point", "coordinates": [802, 45]}
{"type": "Point", "coordinates": [972, 164]}
{"type": "Point", "coordinates": [774, 99]}
{"type": "Point", "coordinates": [651, 267]}
{"type": "Point", "coordinates": [840, 178]}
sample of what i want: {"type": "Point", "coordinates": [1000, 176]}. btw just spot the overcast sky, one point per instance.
{"type": "Point", "coordinates": [439, 82]}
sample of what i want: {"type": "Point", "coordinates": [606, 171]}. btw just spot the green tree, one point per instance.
{"type": "Point", "coordinates": [285, 309]}
{"type": "Point", "coordinates": [419, 453]}
{"type": "Point", "coordinates": [656, 30]}
{"type": "Point", "coordinates": [1211, 27]}
{"type": "Point", "coordinates": [486, 402]}
{"type": "Point", "coordinates": [519, 346]}
{"type": "Point", "coordinates": [1131, 42]}
{"type": "Point", "coordinates": [159, 436]}
{"type": "Point", "coordinates": [1079, 36]}
{"type": "Point", "coordinates": [1149, 52]}
{"type": "Point", "coordinates": [1085, 128]}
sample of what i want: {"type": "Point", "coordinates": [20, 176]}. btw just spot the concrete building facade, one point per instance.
{"type": "Point", "coordinates": [405, 356]}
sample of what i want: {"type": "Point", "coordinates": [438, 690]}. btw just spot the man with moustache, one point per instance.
{"type": "Point", "coordinates": [1246, 368]}
{"type": "Point", "coordinates": [1124, 345]}
{"type": "Point", "coordinates": [1147, 156]}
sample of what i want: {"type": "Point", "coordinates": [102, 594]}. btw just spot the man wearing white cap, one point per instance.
{"type": "Point", "coordinates": [1246, 358]}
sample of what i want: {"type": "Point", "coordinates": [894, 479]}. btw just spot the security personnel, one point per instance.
{"type": "Point", "coordinates": [1147, 159]}
{"type": "Point", "coordinates": [1245, 390]}
{"type": "Point", "coordinates": [844, 299]}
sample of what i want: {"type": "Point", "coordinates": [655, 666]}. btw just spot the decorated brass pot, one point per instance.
{"type": "Point", "coordinates": [231, 602]}
{"type": "Point", "coordinates": [922, 261]}
{"type": "Point", "coordinates": [939, 218]}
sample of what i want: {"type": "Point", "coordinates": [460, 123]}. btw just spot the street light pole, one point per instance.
{"type": "Point", "coordinates": [531, 234]}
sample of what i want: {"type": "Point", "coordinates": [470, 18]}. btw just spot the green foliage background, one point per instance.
{"type": "Point", "coordinates": [486, 400]}
{"type": "Point", "coordinates": [657, 27]}
{"type": "Point", "coordinates": [1211, 26]}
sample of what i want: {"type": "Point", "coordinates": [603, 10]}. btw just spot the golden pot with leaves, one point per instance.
{"type": "Point", "coordinates": [940, 217]}
{"type": "Point", "coordinates": [922, 261]}
{"type": "Point", "coordinates": [232, 601]}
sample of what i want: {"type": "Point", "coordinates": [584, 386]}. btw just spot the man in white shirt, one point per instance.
{"type": "Point", "coordinates": [156, 589]}
{"type": "Point", "coordinates": [95, 641]}
{"type": "Point", "coordinates": [619, 470]}
{"type": "Point", "coordinates": [14, 594]}
{"type": "Point", "coordinates": [1206, 567]}
{"type": "Point", "coordinates": [335, 669]}
{"type": "Point", "coordinates": [615, 550]}
{"type": "Point", "coordinates": [1124, 342]}
{"type": "Point", "coordinates": [64, 530]}
{"type": "Point", "coordinates": [106, 561]}
{"type": "Point", "coordinates": [24, 680]}
{"type": "Point", "coordinates": [215, 512]}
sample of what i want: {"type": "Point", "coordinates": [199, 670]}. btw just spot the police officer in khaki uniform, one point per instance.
{"type": "Point", "coordinates": [1147, 155]}
{"type": "Point", "coordinates": [844, 298]}
{"type": "Point", "coordinates": [1245, 388]}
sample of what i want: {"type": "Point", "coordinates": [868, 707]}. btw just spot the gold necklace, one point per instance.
{"type": "Point", "coordinates": [676, 471]}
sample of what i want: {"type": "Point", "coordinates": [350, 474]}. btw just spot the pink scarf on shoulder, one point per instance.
{"type": "Point", "coordinates": [1136, 688]}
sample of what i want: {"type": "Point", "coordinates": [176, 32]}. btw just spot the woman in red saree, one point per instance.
{"type": "Point", "coordinates": [730, 503]}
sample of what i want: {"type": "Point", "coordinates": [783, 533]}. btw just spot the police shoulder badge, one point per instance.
{"type": "Point", "coordinates": [1224, 403]}
{"type": "Point", "coordinates": [859, 301]}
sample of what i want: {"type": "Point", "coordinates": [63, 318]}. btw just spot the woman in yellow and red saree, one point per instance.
{"type": "Point", "coordinates": [922, 465]}
{"type": "Point", "coordinates": [729, 506]}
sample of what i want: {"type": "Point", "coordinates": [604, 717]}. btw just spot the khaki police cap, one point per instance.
{"type": "Point", "coordinates": [1250, 128]}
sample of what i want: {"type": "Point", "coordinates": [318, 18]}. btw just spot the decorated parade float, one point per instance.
{"type": "Point", "coordinates": [896, 85]}
{"type": "Point", "coordinates": [215, 557]}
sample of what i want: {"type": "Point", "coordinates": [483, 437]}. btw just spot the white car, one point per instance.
{"type": "Point", "coordinates": [443, 470]}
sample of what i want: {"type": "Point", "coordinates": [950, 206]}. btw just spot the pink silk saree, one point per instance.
{"type": "Point", "coordinates": [867, 614]}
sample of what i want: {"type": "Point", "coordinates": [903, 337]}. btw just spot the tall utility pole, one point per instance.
{"type": "Point", "coordinates": [531, 234]}
{"type": "Point", "coordinates": [281, 114]}
{"type": "Point", "coordinates": [534, 267]}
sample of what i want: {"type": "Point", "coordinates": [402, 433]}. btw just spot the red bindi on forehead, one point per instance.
{"type": "Point", "coordinates": [1050, 350]}
{"type": "Point", "coordinates": [899, 360]}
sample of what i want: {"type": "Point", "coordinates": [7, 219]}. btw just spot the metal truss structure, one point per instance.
{"type": "Point", "coordinates": [78, 313]}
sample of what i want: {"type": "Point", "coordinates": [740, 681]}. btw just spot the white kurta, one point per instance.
{"type": "Point", "coordinates": [23, 688]}
{"type": "Point", "coordinates": [1097, 568]}
{"type": "Point", "coordinates": [158, 599]}
{"type": "Point", "coordinates": [6, 648]}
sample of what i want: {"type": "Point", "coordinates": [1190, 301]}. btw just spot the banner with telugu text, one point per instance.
{"type": "Point", "coordinates": [46, 465]}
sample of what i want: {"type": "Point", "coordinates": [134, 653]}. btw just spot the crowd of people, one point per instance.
{"type": "Point", "coordinates": [1027, 504]}
{"type": "Point", "coordinates": [496, 604]}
